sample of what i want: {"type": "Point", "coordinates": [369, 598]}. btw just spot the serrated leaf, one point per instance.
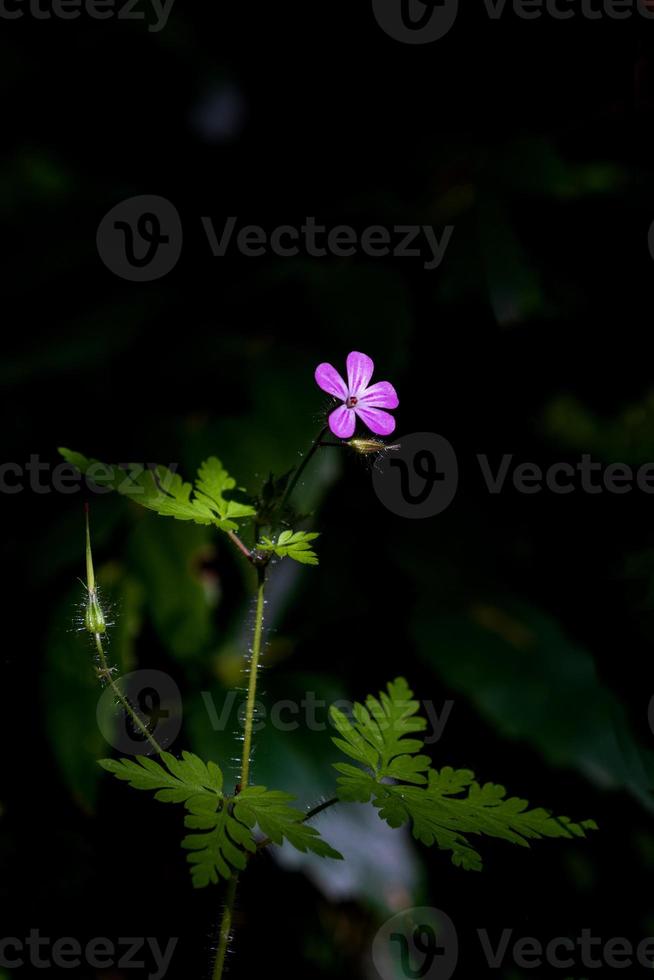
{"type": "Point", "coordinates": [292, 544]}
{"type": "Point", "coordinates": [181, 781]}
{"type": "Point", "coordinates": [354, 785]}
{"type": "Point", "coordinates": [408, 768]}
{"type": "Point", "coordinates": [270, 810]}
{"type": "Point", "coordinates": [223, 824]}
{"type": "Point", "coordinates": [441, 807]}
{"type": "Point", "coordinates": [198, 786]}
{"type": "Point", "coordinates": [441, 815]}
{"type": "Point", "coordinates": [165, 492]}
{"type": "Point", "coordinates": [221, 850]}
{"type": "Point", "coordinates": [212, 482]}
{"type": "Point", "coordinates": [376, 735]}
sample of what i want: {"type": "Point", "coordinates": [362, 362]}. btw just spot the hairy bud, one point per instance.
{"type": "Point", "coordinates": [94, 620]}
{"type": "Point", "coordinates": [369, 447]}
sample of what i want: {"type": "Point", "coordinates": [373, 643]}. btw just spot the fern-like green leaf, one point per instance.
{"type": "Point", "coordinates": [225, 824]}
{"type": "Point", "coordinates": [453, 805]}
{"type": "Point", "coordinates": [213, 481]}
{"type": "Point", "coordinates": [221, 849]}
{"type": "Point", "coordinates": [229, 829]}
{"type": "Point", "coordinates": [354, 785]}
{"type": "Point", "coordinates": [182, 781]}
{"type": "Point", "coordinates": [376, 735]}
{"type": "Point", "coordinates": [292, 544]}
{"type": "Point", "coordinates": [166, 493]}
{"type": "Point", "coordinates": [199, 787]}
{"type": "Point", "coordinates": [441, 807]}
{"type": "Point", "coordinates": [270, 810]}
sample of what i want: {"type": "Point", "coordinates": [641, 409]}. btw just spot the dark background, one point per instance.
{"type": "Point", "coordinates": [532, 613]}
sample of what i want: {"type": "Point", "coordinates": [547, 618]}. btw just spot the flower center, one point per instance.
{"type": "Point", "coordinates": [351, 402]}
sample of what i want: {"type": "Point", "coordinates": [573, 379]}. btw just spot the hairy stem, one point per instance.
{"type": "Point", "coordinates": [252, 683]}
{"type": "Point", "coordinates": [106, 673]}
{"type": "Point", "coordinates": [225, 928]}
{"type": "Point", "coordinates": [230, 898]}
{"type": "Point", "coordinates": [315, 810]}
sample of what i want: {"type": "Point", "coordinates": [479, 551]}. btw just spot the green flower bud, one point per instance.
{"type": "Point", "coordinates": [368, 447]}
{"type": "Point", "coordinates": [90, 575]}
{"type": "Point", "coordinates": [94, 619]}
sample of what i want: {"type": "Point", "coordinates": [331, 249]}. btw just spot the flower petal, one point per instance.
{"type": "Point", "coordinates": [342, 422]}
{"type": "Point", "coordinates": [328, 378]}
{"type": "Point", "coordinates": [380, 395]}
{"type": "Point", "coordinates": [359, 372]}
{"type": "Point", "coordinates": [381, 423]}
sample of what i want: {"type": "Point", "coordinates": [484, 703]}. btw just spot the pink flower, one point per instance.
{"type": "Point", "coordinates": [357, 397]}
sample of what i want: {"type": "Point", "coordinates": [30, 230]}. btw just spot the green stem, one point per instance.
{"type": "Point", "coordinates": [230, 898]}
{"type": "Point", "coordinates": [315, 810]}
{"type": "Point", "coordinates": [252, 683]}
{"type": "Point", "coordinates": [245, 551]}
{"type": "Point", "coordinates": [106, 672]}
{"type": "Point", "coordinates": [225, 928]}
{"type": "Point", "coordinates": [315, 445]}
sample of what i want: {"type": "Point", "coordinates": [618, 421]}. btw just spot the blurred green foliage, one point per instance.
{"type": "Point", "coordinates": [531, 683]}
